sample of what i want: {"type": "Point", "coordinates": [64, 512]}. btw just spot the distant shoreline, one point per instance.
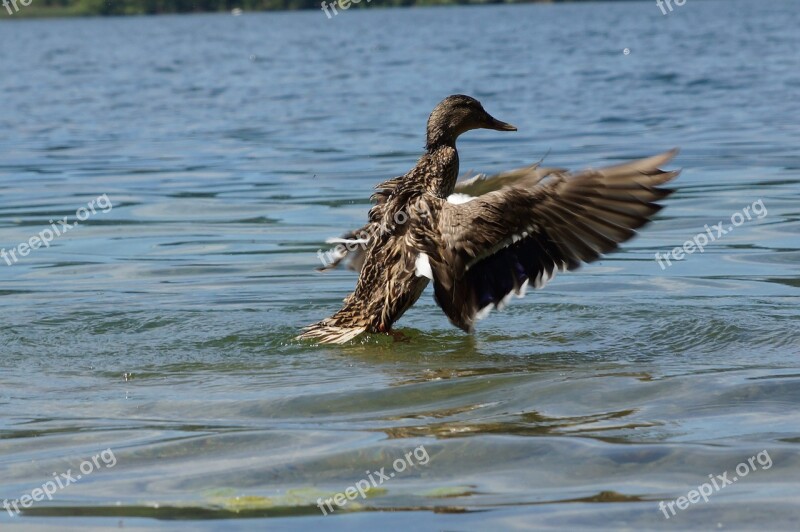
{"type": "Point", "coordinates": [100, 8]}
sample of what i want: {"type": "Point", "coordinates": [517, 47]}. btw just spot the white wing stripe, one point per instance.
{"type": "Point", "coordinates": [347, 241]}
{"type": "Point", "coordinates": [422, 266]}
{"type": "Point", "coordinates": [458, 198]}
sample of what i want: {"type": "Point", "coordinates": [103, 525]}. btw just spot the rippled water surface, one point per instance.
{"type": "Point", "coordinates": [231, 147]}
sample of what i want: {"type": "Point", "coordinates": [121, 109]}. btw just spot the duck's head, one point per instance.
{"type": "Point", "coordinates": [457, 114]}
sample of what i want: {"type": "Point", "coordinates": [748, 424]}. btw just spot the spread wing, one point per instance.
{"type": "Point", "coordinates": [526, 177]}
{"type": "Point", "coordinates": [497, 244]}
{"type": "Point", "coordinates": [351, 246]}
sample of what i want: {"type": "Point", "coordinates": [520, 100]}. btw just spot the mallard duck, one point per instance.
{"type": "Point", "coordinates": [486, 239]}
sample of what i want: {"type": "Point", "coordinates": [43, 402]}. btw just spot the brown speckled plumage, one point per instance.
{"type": "Point", "coordinates": [522, 227]}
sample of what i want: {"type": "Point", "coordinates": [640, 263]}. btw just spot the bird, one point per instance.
{"type": "Point", "coordinates": [486, 239]}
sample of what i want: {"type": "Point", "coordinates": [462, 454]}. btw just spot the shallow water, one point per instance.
{"type": "Point", "coordinates": [231, 147]}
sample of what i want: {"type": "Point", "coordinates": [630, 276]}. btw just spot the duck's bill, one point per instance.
{"type": "Point", "coordinates": [501, 126]}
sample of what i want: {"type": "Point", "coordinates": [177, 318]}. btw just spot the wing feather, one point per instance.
{"type": "Point", "coordinates": [529, 223]}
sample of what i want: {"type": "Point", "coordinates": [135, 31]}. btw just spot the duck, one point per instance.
{"type": "Point", "coordinates": [485, 239]}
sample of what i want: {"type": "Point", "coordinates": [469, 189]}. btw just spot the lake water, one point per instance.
{"type": "Point", "coordinates": [228, 149]}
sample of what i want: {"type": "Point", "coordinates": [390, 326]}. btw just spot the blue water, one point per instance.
{"type": "Point", "coordinates": [229, 148]}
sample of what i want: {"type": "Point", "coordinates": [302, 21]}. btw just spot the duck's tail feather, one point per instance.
{"type": "Point", "coordinates": [347, 323]}
{"type": "Point", "coordinates": [325, 333]}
